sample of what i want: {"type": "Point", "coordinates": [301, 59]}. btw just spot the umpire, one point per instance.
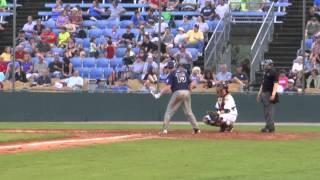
{"type": "Point", "coordinates": [268, 95]}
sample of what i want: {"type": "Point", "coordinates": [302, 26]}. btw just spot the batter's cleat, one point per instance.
{"type": "Point", "coordinates": [196, 131]}
{"type": "Point", "coordinates": [163, 132]}
{"type": "Point", "coordinates": [229, 128]}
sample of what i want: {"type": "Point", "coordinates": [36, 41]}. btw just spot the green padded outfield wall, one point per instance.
{"type": "Point", "coordinates": [25, 106]}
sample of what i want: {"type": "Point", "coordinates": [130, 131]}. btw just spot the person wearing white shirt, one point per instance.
{"type": "Point", "coordinates": [28, 27]}
{"type": "Point", "coordinates": [163, 27]}
{"type": "Point", "coordinates": [297, 65]}
{"type": "Point", "coordinates": [137, 68]}
{"type": "Point", "coordinates": [179, 39]}
{"type": "Point", "coordinates": [222, 9]}
{"type": "Point", "coordinates": [149, 62]}
{"type": "Point", "coordinates": [74, 81]}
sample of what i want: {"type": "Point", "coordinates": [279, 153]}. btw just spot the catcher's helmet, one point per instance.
{"type": "Point", "coordinates": [224, 86]}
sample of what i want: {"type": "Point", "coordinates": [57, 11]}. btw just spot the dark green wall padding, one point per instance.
{"type": "Point", "coordinates": [27, 106]}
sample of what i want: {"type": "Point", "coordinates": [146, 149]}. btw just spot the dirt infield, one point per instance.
{"type": "Point", "coordinates": [76, 138]}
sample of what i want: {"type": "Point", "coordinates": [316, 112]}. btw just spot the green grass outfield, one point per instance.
{"type": "Point", "coordinates": [167, 159]}
{"type": "Point", "coordinates": [13, 137]}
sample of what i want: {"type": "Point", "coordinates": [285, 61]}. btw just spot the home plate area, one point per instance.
{"type": "Point", "coordinates": [77, 138]}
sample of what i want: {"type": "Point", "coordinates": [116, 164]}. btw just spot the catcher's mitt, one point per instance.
{"type": "Point", "coordinates": [212, 118]}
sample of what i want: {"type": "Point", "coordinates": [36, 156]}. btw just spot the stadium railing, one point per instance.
{"type": "Point", "coordinates": [261, 42]}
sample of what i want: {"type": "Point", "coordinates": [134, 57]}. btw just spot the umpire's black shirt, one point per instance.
{"type": "Point", "coordinates": [270, 77]}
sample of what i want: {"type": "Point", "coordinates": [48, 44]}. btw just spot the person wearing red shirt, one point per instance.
{"type": "Point", "coordinates": [20, 53]}
{"type": "Point", "coordinates": [3, 65]}
{"type": "Point", "coordinates": [47, 36]}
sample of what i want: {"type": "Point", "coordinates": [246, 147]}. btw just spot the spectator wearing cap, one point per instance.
{"type": "Point", "coordinates": [95, 11]}
{"type": "Point", "coordinates": [63, 37]}
{"type": "Point", "coordinates": [38, 27]}
{"type": "Point", "coordinates": [128, 37]}
{"type": "Point", "coordinates": [184, 57]}
{"type": "Point", "coordinates": [62, 20]}
{"type": "Point", "coordinates": [291, 88]}
{"type": "Point", "coordinates": [115, 11]}
{"type": "Point", "coordinates": [180, 38]}
{"type": "Point", "coordinates": [55, 67]}
{"type": "Point", "coordinates": [48, 37]}
{"type": "Point", "coordinates": [167, 39]}
{"type": "Point", "coordinates": [75, 17]}
{"type": "Point", "coordinates": [313, 80]}
{"type": "Point", "coordinates": [137, 19]}
{"type": "Point", "coordinates": [151, 19]}
{"type": "Point", "coordinates": [6, 55]}
{"type": "Point", "coordinates": [208, 11]}
{"type": "Point", "coordinates": [223, 75]}
{"type": "Point", "coordinates": [240, 77]}
{"type": "Point", "coordinates": [28, 27]}
{"type": "Point", "coordinates": [195, 38]}
{"type": "Point", "coordinates": [163, 25]}
{"type": "Point", "coordinates": [172, 5]}
{"type": "Point", "coordinates": [222, 9]}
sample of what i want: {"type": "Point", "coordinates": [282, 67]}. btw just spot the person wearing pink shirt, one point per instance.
{"type": "Point", "coordinates": [283, 79]}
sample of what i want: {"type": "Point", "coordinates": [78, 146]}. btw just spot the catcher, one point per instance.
{"type": "Point", "coordinates": [226, 111]}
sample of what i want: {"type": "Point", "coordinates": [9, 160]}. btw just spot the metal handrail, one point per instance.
{"type": "Point", "coordinates": [261, 42]}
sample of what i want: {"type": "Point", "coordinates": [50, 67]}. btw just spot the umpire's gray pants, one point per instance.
{"type": "Point", "coordinates": [268, 109]}
{"type": "Point", "coordinates": [180, 97]}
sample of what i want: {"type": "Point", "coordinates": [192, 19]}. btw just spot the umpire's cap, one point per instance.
{"type": "Point", "coordinates": [268, 62]}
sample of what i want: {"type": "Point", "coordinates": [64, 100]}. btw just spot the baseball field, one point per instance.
{"type": "Point", "coordinates": [68, 151]}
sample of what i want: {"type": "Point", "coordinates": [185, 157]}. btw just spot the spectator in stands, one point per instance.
{"type": "Point", "coordinates": [20, 53]}
{"type": "Point", "coordinates": [137, 67]}
{"type": "Point", "coordinates": [75, 81]}
{"type": "Point", "coordinates": [115, 11]}
{"type": "Point", "coordinates": [109, 49]}
{"type": "Point", "coordinates": [115, 35]}
{"type": "Point", "coordinates": [55, 67]}
{"type": "Point", "coordinates": [71, 28]}
{"type": "Point", "coordinates": [38, 27]}
{"type": "Point", "coordinates": [223, 75]}
{"type": "Point", "coordinates": [164, 74]}
{"type": "Point", "coordinates": [208, 79]}
{"type": "Point", "coordinates": [3, 66]}
{"type": "Point", "coordinates": [62, 20]}
{"type": "Point", "coordinates": [172, 5]}
{"type": "Point", "coordinates": [63, 37]}
{"type": "Point", "coordinates": [195, 38]}
{"type": "Point", "coordinates": [67, 67]}
{"type": "Point", "coordinates": [93, 48]}
{"type": "Point", "coordinates": [127, 37]}
{"type": "Point", "coordinates": [184, 57]}
{"type": "Point", "coordinates": [208, 12]}
{"type": "Point", "coordinates": [312, 27]}
{"type": "Point", "coordinates": [298, 80]}
{"type": "Point", "coordinates": [196, 76]}
{"type": "Point", "coordinates": [57, 10]}
{"type": "Point", "coordinates": [21, 37]}
{"type": "Point", "coordinates": [129, 56]}
{"type": "Point", "coordinates": [27, 65]}
{"type": "Point", "coordinates": [291, 88]}
{"type": "Point", "coordinates": [19, 75]}
{"type": "Point", "coordinates": [95, 11]}
{"type": "Point", "coordinates": [151, 19]}
{"type": "Point", "coordinates": [283, 79]}
{"type": "Point", "coordinates": [48, 37]}
{"type": "Point", "coordinates": [203, 27]}
{"type": "Point", "coordinates": [147, 45]}
{"type": "Point", "coordinates": [189, 5]}
{"type": "Point", "coordinates": [180, 38]}
{"type": "Point", "coordinates": [137, 19]}
{"type": "Point", "coordinates": [28, 28]}
{"type": "Point", "coordinates": [297, 65]}
{"type": "Point", "coordinates": [222, 9]}
{"type": "Point", "coordinates": [240, 77]}
{"type": "Point", "coordinates": [314, 56]}
{"type": "Point", "coordinates": [6, 55]}
{"type": "Point", "coordinates": [44, 78]}
{"type": "Point", "coordinates": [167, 38]}
{"type": "Point", "coordinates": [71, 50]}
{"type": "Point", "coordinates": [150, 77]}
{"type": "Point", "coordinates": [76, 17]}
{"type": "Point", "coordinates": [39, 67]}
{"type": "Point", "coordinates": [313, 80]}
{"type": "Point", "coordinates": [264, 5]}
{"type": "Point", "coordinates": [149, 62]}
{"type": "Point", "coordinates": [140, 36]}
{"type": "Point", "coordinates": [163, 25]}
{"type": "Point", "coordinates": [186, 23]}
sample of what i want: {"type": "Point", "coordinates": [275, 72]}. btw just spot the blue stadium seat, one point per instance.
{"type": "Point", "coordinates": [113, 23]}
{"type": "Point", "coordinates": [79, 41]}
{"type": "Point", "coordinates": [60, 51]}
{"type": "Point", "coordinates": [107, 72]}
{"type": "Point", "coordinates": [120, 52]}
{"type": "Point", "coordinates": [102, 24]}
{"type": "Point", "coordinates": [48, 60]}
{"type": "Point", "coordinates": [121, 31]}
{"type": "Point", "coordinates": [84, 72]}
{"type": "Point", "coordinates": [76, 62]}
{"type": "Point", "coordinates": [135, 32]}
{"type": "Point", "coordinates": [308, 43]}
{"type": "Point", "coordinates": [116, 62]}
{"type": "Point", "coordinates": [174, 32]}
{"type": "Point", "coordinates": [106, 32]}
{"type": "Point", "coordinates": [50, 24]}
{"type": "Point", "coordinates": [136, 50]}
{"type": "Point", "coordinates": [95, 33]}
{"type": "Point", "coordinates": [89, 62]}
{"type": "Point", "coordinates": [102, 62]}
{"type": "Point", "coordinates": [101, 40]}
{"type": "Point", "coordinates": [35, 60]}
{"type": "Point", "coordinates": [88, 23]}
{"type": "Point", "coordinates": [96, 73]}
{"type": "Point", "coordinates": [125, 23]}
{"type": "Point", "coordinates": [86, 43]}
{"type": "Point", "coordinates": [194, 53]}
